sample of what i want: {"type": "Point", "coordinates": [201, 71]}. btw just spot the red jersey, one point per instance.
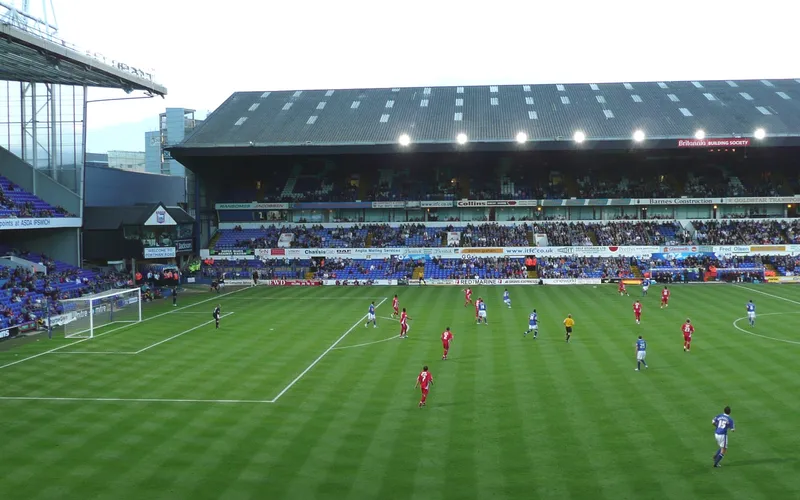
{"type": "Point", "coordinates": [637, 308]}
{"type": "Point", "coordinates": [468, 293]}
{"type": "Point", "coordinates": [477, 306]}
{"type": "Point", "coordinates": [447, 336]}
{"type": "Point", "coordinates": [404, 318]}
{"type": "Point", "coordinates": [665, 294]}
{"type": "Point", "coordinates": [621, 285]}
{"type": "Point", "coordinates": [424, 380]}
{"type": "Point", "coordinates": [688, 330]}
{"type": "Point", "coordinates": [395, 303]}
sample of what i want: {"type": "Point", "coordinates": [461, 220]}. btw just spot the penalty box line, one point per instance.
{"type": "Point", "coordinates": [215, 298]}
{"type": "Point", "coordinates": [329, 349]}
{"type": "Point", "coordinates": [151, 345]}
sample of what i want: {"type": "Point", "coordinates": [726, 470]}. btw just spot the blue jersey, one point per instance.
{"type": "Point", "coordinates": [372, 309]}
{"type": "Point", "coordinates": [646, 283]}
{"type": "Point", "coordinates": [722, 424]}
{"type": "Point", "coordinates": [641, 345]}
{"type": "Point", "coordinates": [751, 308]}
{"type": "Point", "coordinates": [482, 306]}
{"type": "Point", "coordinates": [533, 320]}
{"type": "Point", "coordinates": [506, 296]}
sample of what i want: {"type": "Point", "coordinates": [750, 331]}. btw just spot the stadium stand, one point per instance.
{"type": "Point", "coordinates": [17, 203]}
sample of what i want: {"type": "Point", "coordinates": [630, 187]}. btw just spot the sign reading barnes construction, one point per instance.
{"type": "Point", "coordinates": [252, 206]}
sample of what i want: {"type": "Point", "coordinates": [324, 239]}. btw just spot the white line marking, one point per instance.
{"type": "Point", "coordinates": [182, 333]}
{"type": "Point", "coordinates": [735, 325]}
{"type": "Point", "coordinates": [139, 400]}
{"type": "Point", "coordinates": [366, 343]}
{"type": "Point", "coordinates": [767, 294]}
{"type": "Point", "coordinates": [390, 319]}
{"type": "Point", "coordinates": [93, 352]}
{"type": "Point", "coordinates": [306, 298]}
{"type": "Point", "coordinates": [329, 349]}
{"type": "Point", "coordinates": [216, 297]}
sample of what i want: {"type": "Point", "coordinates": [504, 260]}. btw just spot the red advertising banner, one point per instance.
{"type": "Point", "coordinates": [713, 143]}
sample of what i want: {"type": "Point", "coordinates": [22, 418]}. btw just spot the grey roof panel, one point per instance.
{"type": "Point", "coordinates": [657, 115]}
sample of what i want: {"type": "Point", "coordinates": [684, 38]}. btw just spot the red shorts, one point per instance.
{"type": "Point", "coordinates": [396, 311]}
{"type": "Point", "coordinates": [425, 391]}
{"type": "Point", "coordinates": [403, 328]}
{"type": "Point", "coordinates": [638, 315]}
{"type": "Point", "coordinates": [664, 300]}
{"type": "Point", "coordinates": [468, 298]}
{"type": "Point", "coordinates": [687, 338]}
{"type": "Point", "coordinates": [446, 345]}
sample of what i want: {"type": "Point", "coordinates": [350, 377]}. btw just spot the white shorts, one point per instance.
{"type": "Point", "coordinates": [481, 314]}
{"type": "Point", "coordinates": [640, 355]}
{"type": "Point", "coordinates": [751, 315]}
{"type": "Point", "coordinates": [645, 288]}
{"type": "Point", "coordinates": [722, 440]}
{"type": "Point", "coordinates": [370, 317]}
{"type": "Point", "coordinates": [533, 327]}
{"type": "Point", "coordinates": [507, 301]}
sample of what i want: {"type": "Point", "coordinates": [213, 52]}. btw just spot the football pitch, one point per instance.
{"type": "Point", "coordinates": [293, 398]}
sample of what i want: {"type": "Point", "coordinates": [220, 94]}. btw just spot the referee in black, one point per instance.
{"type": "Point", "coordinates": [175, 296]}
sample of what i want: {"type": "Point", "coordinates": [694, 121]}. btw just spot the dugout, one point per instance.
{"type": "Point", "coordinates": [151, 234]}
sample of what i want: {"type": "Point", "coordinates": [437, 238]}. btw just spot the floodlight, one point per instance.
{"type": "Point", "coordinates": [404, 140]}
{"type": "Point", "coordinates": [579, 137]}
{"type": "Point", "coordinates": [700, 134]}
{"type": "Point", "coordinates": [522, 137]}
{"type": "Point", "coordinates": [461, 138]}
{"type": "Point", "coordinates": [760, 133]}
{"type": "Point", "coordinates": [638, 136]}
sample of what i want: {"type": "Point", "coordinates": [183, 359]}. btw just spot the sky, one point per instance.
{"type": "Point", "coordinates": [203, 51]}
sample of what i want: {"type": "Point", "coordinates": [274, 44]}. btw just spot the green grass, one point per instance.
{"type": "Point", "coordinates": [509, 417]}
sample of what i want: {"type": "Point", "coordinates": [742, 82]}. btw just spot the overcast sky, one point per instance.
{"type": "Point", "coordinates": [203, 51]}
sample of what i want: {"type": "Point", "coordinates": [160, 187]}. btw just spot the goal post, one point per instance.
{"type": "Point", "coordinates": [86, 315]}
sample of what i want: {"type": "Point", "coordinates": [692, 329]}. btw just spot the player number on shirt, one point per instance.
{"type": "Point", "coordinates": [722, 424]}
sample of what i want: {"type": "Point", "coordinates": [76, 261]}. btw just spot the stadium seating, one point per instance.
{"type": "Point", "coordinates": [17, 203]}
{"type": "Point", "coordinates": [732, 232]}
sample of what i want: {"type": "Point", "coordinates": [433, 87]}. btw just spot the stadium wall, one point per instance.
{"type": "Point", "coordinates": [33, 181]}
{"type": "Point", "coordinates": [59, 244]}
{"type": "Point", "coordinates": [111, 187]}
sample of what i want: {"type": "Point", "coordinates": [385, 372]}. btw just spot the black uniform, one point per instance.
{"type": "Point", "coordinates": [216, 316]}
{"type": "Point", "coordinates": [175, 296]}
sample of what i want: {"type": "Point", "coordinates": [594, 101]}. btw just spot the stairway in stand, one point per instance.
{"type": "Point", "coordinates": [213, 241]}
{"type": "Point", "coordinates": [368, 240]}
{"type": "Point", "coordinates": [533, 274]}
{"type": "Point", "coordinates": [592, 236]}
{"type": "Point", "coordinates": [636, 271]}
{"type": "Point", "coordinates": [419, 272]}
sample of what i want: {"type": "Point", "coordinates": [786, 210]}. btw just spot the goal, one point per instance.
{"type": "Point", "coordinates": [85, 315]}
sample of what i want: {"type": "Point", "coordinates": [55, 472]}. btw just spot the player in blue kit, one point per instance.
{"type": "Point", "coordinates": [645, 286]}
{"type": "Point", "coordinates": [533, 324]}
{"type": "Point", "coordinates": [751, 313]}
{"type": "Point", "coordinates": [371, 317]}
{"type": "Point", "coordinates": [507, 298]}
{"type": "Point", "coordinates": [482, 311]}
{"type": "Point", "coordinates": [723, 423]}
{"type": "Point", "coordinates": [641, 353]}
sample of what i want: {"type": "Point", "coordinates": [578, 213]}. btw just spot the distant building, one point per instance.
{"type": "Point", "coordinates": [127, 160]}
{"type": "Point", "coordinates": [174, 125]}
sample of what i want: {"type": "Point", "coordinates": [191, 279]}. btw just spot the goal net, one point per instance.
{"type": "Point", "coordinates": [85, 315]}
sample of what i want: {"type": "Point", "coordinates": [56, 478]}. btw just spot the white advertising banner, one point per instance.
{"type": "Point", "coordinates": [252, 206]}
{"type": "Point", "coordinates": [517, 252]}
{"type": "Point", "coordinates": [159, 253]}
{"type": "Point", "coordinates": [516, 281]}
{"type": "Point", "coordinates": [351, 282]}
{"type": "Point", "coordinates": [43, 223]}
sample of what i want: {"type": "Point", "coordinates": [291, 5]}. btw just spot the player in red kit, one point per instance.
{"type": "Point", "coordinates": [424, 382]}
{"type": "Point", "coordinates": [477, 310]}
{"type": "Point", "coordinates": [447, 337]}
{"type": "Point", "coordinates": [395, 306]}
{"type": "Point", "coordinates": [637, 311]}
{"type": "Point", "coordinates": [622, 290]}
{"type": "Point", "coordinates": [404, 324]}
{"type": "Point", "coordinates": [664, 298]}
{"type": "Point", "coordinates": [688, 330]}
{"type": "Point", "coordinates": [467, 297]}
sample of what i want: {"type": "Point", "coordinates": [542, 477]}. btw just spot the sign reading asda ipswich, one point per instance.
{"type": "Point", "coordinates": [40, 223]}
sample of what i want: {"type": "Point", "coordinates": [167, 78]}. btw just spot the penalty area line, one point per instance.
{"type": "Point", "coordinates": [366, 343]}
{"type": "Point", "coordinates": [214, 298]}
{"type": "Point", "coordinates": [182, 333]}
{"type": "Point", "coordinates": [767, 294]}
{"type": "Point", "coordinates": [329, 349]}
